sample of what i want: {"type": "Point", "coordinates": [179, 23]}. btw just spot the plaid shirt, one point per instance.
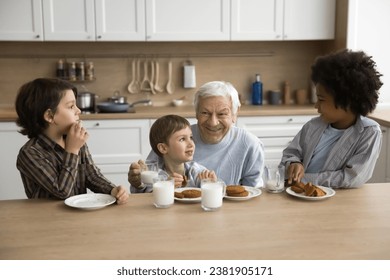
{"type": "Point", "coordinates": [48, 171]}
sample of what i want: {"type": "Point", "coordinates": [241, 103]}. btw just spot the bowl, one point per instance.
{"type": "Point", "coordinates": [110, 107]}
{"type": "Point", "coordinates": [177, 102]}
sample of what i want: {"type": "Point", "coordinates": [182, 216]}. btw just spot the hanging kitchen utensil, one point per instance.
{"type": "Point", "coordinates": [145, 85]}
{"type": "Point", "coordinates": [134, 84]}
{"type": "Point", "coordinates": [189, 77]}
{"type": "Point", "coordinates": [170, 85]}
{"type": "Point", "coordinates": [152, 77]}
{"type": "Point", "coordinates": [157, 87]}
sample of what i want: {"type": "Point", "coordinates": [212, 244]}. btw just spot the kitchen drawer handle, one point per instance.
{"type": "Point", "coordinates": [97, 124]}
{"type": "Point", "coordinates": [290, 120]}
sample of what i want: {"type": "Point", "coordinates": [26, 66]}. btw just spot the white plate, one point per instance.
{"type": "Point", "coordinates": [329, 192]}
{"type": "Point", "coordinates": [90, 201]}
{"type": "Point", "coordinates": [188, 200]}
{"type": "Point", "coordinates": [253, 192]}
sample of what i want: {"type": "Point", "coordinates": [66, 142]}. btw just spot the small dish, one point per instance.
{"type": "Point", "coordinates": [329, 193]}
{"type": "Point", "coordinates": [177, 102]}
{"type": "Point", "coordinates": [253, 192]}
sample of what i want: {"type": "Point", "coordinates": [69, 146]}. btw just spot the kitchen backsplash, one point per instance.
{"type": "Point", "coordinates": [236, 62]}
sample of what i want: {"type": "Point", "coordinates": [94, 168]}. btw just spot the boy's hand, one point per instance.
{"type": "Point", "coordinates": [207, 174]}
{"type": "Point", "coordinates": [134, 175]}
{"type": "Point", "coordinates": [121, 194]}
{"type": "Point", "coordinates": [76, 138]}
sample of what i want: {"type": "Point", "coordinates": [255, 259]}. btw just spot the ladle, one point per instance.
{"type": "Point", "coordinates": [134, 84]}
{"type": "Point", "coordinates": [170, 85]}
{"type": "Point", "coordinates": [156, 85]}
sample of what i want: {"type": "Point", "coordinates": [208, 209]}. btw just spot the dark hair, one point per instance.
{"type": "Point", "coordinates": [32, 101]}
{"type": "Point", "coordinates": [163, 128]}
{"type": "Point", "coordinates": [351, 78]}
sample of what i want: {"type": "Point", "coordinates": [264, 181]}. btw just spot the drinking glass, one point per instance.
{"type": "Point", "coordinates": [212, 194]}
{"type": "Point", "coordinates": [274, 179]}
{"type": "Point", "coordinates": [163, 191]}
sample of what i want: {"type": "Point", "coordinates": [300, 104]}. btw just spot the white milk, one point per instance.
{"type": "Point", "coordinates": [212, 196]}
{"type": "Point", "coordinates": [163, 193]}
{"type": "Point", "coordinates": [147, 176]}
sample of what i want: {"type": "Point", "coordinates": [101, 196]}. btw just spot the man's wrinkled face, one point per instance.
{"type": "Point", "coordinates": [215, 117]}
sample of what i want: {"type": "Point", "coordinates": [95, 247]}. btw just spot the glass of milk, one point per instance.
{"type": "Point", "coordinates": [213, 192]}
{"type": "Point", "coordinates": [274, 179]}
{"type": "Point", "coordinates": [163, 191]}
{"type": "Point", "coordinates": [148, 172]}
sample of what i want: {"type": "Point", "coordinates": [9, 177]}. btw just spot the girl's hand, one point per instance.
{"type": "Point", "coordinates": [76, 138]}
{"type": "Point", "coordinates": [295, 172]}
{"type": "Point", "coordinates": [121, 194]}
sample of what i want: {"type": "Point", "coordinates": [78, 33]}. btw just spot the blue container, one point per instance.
{"type": "Point", "coordinates": [257, 91]}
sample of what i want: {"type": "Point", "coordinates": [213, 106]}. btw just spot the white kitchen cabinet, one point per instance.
{"type": "Point", "coordinates": [275, 132]}
{"type": "Point", "coordinates": [11, 185]}
{"type": "Point", "coordinates": [71, 20]}
{"type": "Point", "coordinates": [283, 19]}
{"type": "Point", "coordinates": [120, 20]}
{"type": "Point", "coordinates": [257, 20]}
{"type": "Point", "coordinates": [114, 144]}
{"type": "Point", "coordinates": [188, 20]}
{"type": "Point", "coordinates": [21, 20]}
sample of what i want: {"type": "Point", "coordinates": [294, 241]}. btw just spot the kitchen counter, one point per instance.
{"type": "Point", "coordinates": [151, 112]}
{"type": "Point", "coordinates": [352, 225]}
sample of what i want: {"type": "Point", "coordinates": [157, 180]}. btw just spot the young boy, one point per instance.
{"type": "Point", "coordinates": [171, 139]}
{"type": "Point", "coordinates": [339, 148]}
{"type": "Point", "coordinates": [55, 162]}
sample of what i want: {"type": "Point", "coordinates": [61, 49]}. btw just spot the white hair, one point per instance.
{"type": "Point", "coordinates": [218, 88]}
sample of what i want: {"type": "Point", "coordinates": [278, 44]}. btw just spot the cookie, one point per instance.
{"type": "Point", "coordinates": [234, 189]}
{"type": "Point", "coordinates": [191, 193]}
{"type": "Point", "coordinates": [241, 194]}
{"type": "Point", "coordinates": [179, 195]}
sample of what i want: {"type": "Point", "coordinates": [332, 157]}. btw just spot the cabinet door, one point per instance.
{"type": "Point", "coordinates": [21, 21]}
{"type": "Point", "coordinates": [120, 20]}
{"type": "Point", "coordinates": [70, 20]}
{"type": "Point", "coordinates": [11, 185]}
{"type": "Point", "coordinates": [257, 20]}
{"type": "Point", "coordinates": [114, 144]}
{"type": "Point", "coordinates": [309, 19]}
{"type": "Point", "coordinates": [187, 20]}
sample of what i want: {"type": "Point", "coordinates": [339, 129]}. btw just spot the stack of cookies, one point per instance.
{"type": "Point", "coordinates": [308, 189]}
{"type": "Point", "coordinates": [192, 193]}
{"type": "Point", "coordinates": [236, 191]}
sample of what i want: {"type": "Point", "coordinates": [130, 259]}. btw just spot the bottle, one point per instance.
{"type": "Point", "coordinates": [60, 69]}
{"type": "Point", "coordinates": [257, 91]}
{"type": "Point", "coordinates": [287, 93]}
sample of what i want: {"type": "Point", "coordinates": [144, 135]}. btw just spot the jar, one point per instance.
{"type": "Point", "coordinates": [89, 71]}
{"type": "Point", "coordinates": [72, 71]}
{"type": "Point", "coordinates": [80, 71]}
{"type": "Point", "coordinates": [60, 69]}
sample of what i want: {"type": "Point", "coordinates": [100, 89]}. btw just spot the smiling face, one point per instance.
{"type": "Point", "coordinates": [67, 113]}
{"type": "Point", "coordinates": [337, 117]}
{"type": "Point", "coordinates": [180, 147]}
{"type": "Point", "coordinates": [215, 118]}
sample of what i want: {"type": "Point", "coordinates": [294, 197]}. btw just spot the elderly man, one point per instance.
{"type": "Point", "coordinates": [236, 156]}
